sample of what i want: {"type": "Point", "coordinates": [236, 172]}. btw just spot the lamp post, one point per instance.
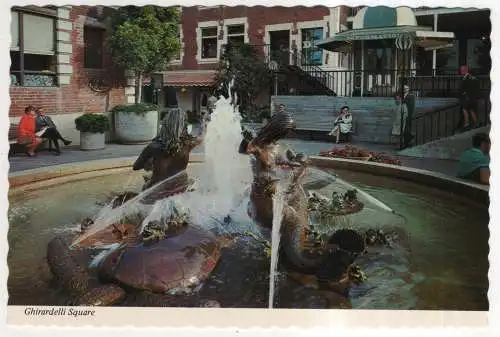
{"type": "Point", "coordinates": [404, 42]}
{"type": "Point", "coordinates": [274, 67]}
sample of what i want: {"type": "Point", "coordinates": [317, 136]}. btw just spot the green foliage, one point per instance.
{"type": "Point", "coordinates": [93, 123]}
{"type": "Point", "coordinates": [138, 108]}
{"type": "Point", "coordinates": [251, 75]}
{"type": "Point", "coordinates": [144, 39]}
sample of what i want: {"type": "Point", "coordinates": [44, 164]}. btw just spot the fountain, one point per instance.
{"type": "Point", "coordinates": [278, 207]}
{"type": "Point", "coordinates": [413, 256]}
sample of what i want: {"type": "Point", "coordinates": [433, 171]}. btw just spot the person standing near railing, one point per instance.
{"type": "Point", "coordinates": [469, 96]}
{"type": "Point", "coordinates": [400, 117]}
{"type": "Point", "coordinates": [408, 101]}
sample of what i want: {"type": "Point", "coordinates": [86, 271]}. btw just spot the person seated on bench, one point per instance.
{"type": "Point", "coordinates": [342, 126]}
{"type": "Point", "coordinates": [26, 131]}
{"type": "Point", "coordinates": [44, 122]}
{"type": "Point", "coordinates": [474, 163]}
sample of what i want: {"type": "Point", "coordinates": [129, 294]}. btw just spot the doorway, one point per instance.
{"type": "Point", "coordinates": [280, 46]}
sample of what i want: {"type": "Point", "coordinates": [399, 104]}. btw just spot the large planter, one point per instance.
{"type": "Point", "coordinates": [92, 141]}
{"type": "Point", "coordinates": [133, 128]}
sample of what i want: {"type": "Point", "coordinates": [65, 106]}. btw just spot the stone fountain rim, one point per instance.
{"type": "Point", "coordinates": [430, 179]}
{"type": "Point", "coordinates": [43, 177]}
{"type": "Point", "coordinates": [22, 181]}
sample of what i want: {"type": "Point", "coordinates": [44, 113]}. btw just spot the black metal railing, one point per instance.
{"type": "Point", "coordinates": [367, 82]}
{"type": "Point", "coordinates": [300, 61]}
{"type": "Point", "coordinates": [446, 121]}
{"type": "Point", "coordinates": [384, 83]}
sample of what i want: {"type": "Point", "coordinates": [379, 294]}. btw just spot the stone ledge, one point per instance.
{"type": "Point", "coordinates": [23, 181]}
{"type": "Point", "coordinates": [475, 192]}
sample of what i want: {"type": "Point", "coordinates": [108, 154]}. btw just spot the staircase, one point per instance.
{"type": "Point", "coordinates": [294, 73]}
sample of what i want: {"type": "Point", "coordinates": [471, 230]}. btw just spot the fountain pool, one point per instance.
{"type": "Point", "coordinates": [443, 264]}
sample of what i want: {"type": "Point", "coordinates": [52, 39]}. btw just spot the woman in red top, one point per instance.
{"type": "Point", "coordinates": [26, 132]}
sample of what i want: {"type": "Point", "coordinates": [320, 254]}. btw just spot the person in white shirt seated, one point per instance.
{"type": "Point", "coordinates": [342, 125]}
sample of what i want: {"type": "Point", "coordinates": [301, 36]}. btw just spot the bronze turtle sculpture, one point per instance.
{"type": "Point", "coordinates": [171, 265]}
{"type": "Point", "coordinates": [170, 257]}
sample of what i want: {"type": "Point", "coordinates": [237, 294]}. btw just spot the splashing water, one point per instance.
{"type": "Point", "coordinates": [227, 172]}
{"type": "Point", "coordinates": [108, 215]}
{"type": "Point", "coordinates": [219, 187]}
{"type": "Point", "coordinates": [278, 204]}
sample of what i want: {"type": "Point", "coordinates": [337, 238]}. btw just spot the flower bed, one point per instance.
{"type": "Point", "coordinates": [351, 152]}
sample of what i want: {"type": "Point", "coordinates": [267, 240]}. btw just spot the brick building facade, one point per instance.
{"type": "Point", "coordinates": [59, 62]}
{"type": "Point", "coordinates": [205, 30]}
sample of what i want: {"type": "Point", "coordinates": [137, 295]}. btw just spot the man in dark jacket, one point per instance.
{"type": "Point", "coordinates": [51, 133]}
{"type": "Point", "coordinates": [409, 100]}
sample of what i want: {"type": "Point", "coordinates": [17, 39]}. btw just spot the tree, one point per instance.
{"type": "Point", "coordinates": [251, 75]}
{"type": "Point", "coordinates": [144, 39]}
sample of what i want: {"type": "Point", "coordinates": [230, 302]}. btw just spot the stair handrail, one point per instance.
{"type": "Point", "coordinates": [326, 76]}
{"type": "Point", "coordinates": [295, 58]}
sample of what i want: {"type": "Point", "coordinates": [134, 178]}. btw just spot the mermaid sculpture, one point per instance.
{"type": "Point", "coordinates": [267, 158]}
{"type": "Point", "coordinates": [167, 156]}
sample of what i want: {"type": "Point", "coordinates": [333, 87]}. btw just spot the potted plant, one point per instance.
{"type": "Point", "coordinates": [135, 123]}
{"type": "Point", "coordinates": [92, 128]}
{"type": "Point", "coordinates": [143, 41]}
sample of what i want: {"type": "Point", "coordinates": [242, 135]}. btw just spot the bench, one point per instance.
{"type": "Point", "coordinates": [319, 125]}
{"type": "Point", "coordinates": [16, 147]}
{"type": "Point", "coordinates": [373, 116]}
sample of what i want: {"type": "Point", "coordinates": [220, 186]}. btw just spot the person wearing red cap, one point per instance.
{"type": "Point", "coordinates": [469, 91]}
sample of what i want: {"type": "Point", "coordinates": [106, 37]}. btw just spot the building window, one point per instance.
{"type": "Point", "coordinates": [177, 56]}
{"type": "Point", "coordinates": [310, 53]}
{"type": "Point", "coordinates": [209, 43]}
{"type": "Point", "coordinates": [236, 34]}
{"type": "Point", "coordinates": [94, 46]}
{"type": "Point", "coordinates": [32, 50]}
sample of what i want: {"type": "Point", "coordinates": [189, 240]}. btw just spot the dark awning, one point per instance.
{"type": "Point", "coordinates": [341, 41]}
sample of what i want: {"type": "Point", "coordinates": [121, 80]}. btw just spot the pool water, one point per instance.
{"type": "Point", "coordinates": [448, 241]}
{"type": "Point", "coordinates": [443, 264]}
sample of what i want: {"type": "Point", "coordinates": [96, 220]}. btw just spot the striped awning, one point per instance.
{"type": "Point", "coordinates": [380, 23]}
{"type": "Point", "coordinates": [189, 79]}
{"type": "Point", "coordinates": [383, 16]}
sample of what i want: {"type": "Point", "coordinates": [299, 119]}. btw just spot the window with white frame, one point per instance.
{"type": "Point", "coordinates": [310, 53]}
{"type": "Point", "coordinates": [209, 42]}
{"type": "Point", "coordinates": [236, 34]}
{"type": "Point", "coordinates": [32, 50]}
{"type": "Point", "coordinates": [177, 56]}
